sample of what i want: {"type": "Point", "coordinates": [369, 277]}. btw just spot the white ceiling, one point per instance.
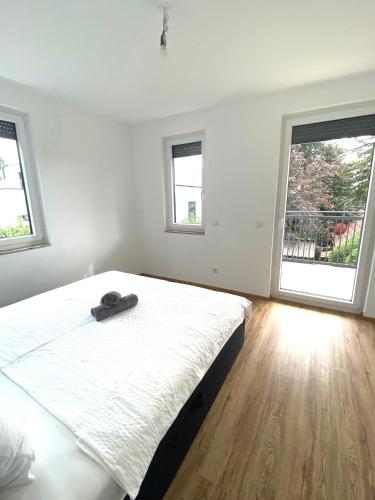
{"type": "Point", "coordinates": [105, 53]}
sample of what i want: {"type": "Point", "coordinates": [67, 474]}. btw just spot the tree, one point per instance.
{"type": "Point", "coordinates": [342, 189]}
{"type": "Point", "coordinates": [325, 177]}
{"type": "Point", "coordinates": [320, 177]}
{"type": "Point", "coordinates": [191, 219]}
{"type": "Point", "coordinates": [312, 168]}
{"type": "Point", "coordinates": [350, 184]}
{"type": "Point", "coordinates": [361, 173]}
{"type": "Point", "coordinates": [2, 165]}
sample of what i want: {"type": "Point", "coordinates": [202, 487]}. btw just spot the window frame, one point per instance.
{"type": "Point", "coordinates": [361, 286]}
{"type": "Point", "coordinates": [169, 185]}
{"type": "Point", "coordinates": [31, 187]}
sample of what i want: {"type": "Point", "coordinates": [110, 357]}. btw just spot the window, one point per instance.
{"type": "Point", "coordinates": [21, 218]}
{"type": "Point", "coordinates": [184, 184]}
{"type": "Point", "coordinates": [192, 208]}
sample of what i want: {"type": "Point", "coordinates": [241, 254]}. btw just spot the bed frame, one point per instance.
{"type": "Point", "coordinates": [177, 441]}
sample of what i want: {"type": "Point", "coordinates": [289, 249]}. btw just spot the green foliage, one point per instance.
{"type": "Point", "coordinates": [13, 231]}
{"type": "Point", "coordinates": [350, 184]}
{"type": "Point", "coordinates": [191, 219]}
{"type": "Point", "coordinates": [319, 179]}
{"type": "Point", "coordinates": [346, 253]}
{"type": "Point", "coordinates": [342, 190]}
{"type": "Point", "coordinates": [329, 152]}
{"type": "Point", "coordinates": [326, 177]}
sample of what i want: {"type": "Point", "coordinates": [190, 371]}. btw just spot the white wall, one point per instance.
{"type": "Point", "coordinates": [242, 148]}
{"type": "Point", "coordinates": [370, 299]}
{"type": "Point", "coordinates": [87, 180]}
{"type": "Point", "coordinates": [87, 183]}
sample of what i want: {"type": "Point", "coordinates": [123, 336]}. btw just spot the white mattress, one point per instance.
{"type": "Point", "coordinates": [62, 471]}
{"type": "Point", "coordinates": [119, 384]}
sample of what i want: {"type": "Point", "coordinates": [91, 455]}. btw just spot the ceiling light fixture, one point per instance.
{"type": "Point", "coordinates": [163, 38]}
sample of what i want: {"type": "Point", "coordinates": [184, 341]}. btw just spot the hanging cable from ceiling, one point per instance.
{"type": "Point", "coordinates": [163, 37]}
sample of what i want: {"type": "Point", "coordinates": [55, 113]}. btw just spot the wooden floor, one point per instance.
{"type": "Point", "coordinates": [295, 418]}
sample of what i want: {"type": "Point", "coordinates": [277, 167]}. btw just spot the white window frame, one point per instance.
{"type": "Point", "coordinates": [368, 235]}
{"type": "Point", "coordinates": [170, 225]}
{"type": "Point", "coordinates": [31, 186]}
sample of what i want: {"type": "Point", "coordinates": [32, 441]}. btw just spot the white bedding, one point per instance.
{"type": "Point", "coordinates": [62, 471]}
{"type": "Point", "coordinates": [119, 384]}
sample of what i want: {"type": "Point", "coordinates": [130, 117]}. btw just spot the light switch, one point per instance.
{"type": "Point", "coordinates": [259, 224]}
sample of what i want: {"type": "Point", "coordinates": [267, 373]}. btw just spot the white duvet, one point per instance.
{"type": "Point", "coordinates": [120, 383]}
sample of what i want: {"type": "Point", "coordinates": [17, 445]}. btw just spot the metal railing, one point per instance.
{"type": "Point", "coordinates": [331, 238]}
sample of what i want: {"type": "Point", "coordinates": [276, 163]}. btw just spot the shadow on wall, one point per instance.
{"type": "Point", "coordinates": [30, 282]}
{"type": "Point", "coordinates": [119, 258]}
{"type": "Point", "coordinates": [90, 271]}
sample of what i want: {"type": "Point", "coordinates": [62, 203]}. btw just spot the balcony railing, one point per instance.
{"type": "Point", "coordinates": [331, 238]}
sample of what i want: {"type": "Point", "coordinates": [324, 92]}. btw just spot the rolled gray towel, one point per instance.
{"type": "Point", "coordinates": [101, 312]}
{"type": "Point", "coordinates": [110, 299]}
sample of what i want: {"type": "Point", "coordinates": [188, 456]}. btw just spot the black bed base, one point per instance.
{"type": "Point", "coordinates": [177, 441]}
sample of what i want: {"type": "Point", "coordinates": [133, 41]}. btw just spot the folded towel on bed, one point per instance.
{"type": "Point", "coordinates": [110, 299]}
{"type": "Point", "coordinates": [104, 311]}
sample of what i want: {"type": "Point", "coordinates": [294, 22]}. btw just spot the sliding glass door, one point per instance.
{"type": "Point", "coordinates": [325, 209]}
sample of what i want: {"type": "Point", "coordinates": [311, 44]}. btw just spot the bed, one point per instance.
{"type": "Point", "coordinates": [62, 471]}
{"type": "Point", "coordinates": [112, 411]}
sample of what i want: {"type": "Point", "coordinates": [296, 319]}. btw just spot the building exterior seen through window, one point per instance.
{"type": "Point", "coordinates": [14, 213]}
{"type": "Point", "coordinates": [184, 189]}
{"type": "Point", "coordinates": [22, 224]}
{"type": "Point", "coordinates": [187, 170]}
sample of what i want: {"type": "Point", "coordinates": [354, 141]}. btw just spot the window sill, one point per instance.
{"type": "Point", "coordinates": [4, 251]}
{"type": "Point", "coordinates": [179, 231]}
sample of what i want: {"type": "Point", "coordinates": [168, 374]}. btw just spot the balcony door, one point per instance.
{"type": "Point", "coordinates": [323, 235]}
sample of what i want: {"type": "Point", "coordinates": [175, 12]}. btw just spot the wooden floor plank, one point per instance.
{"type": "Point", "coordinates": [295, 418]}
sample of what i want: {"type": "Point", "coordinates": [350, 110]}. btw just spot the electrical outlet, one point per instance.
{"type": "Point", "coordinates": [259, 224]}
{"type": "Point", "coordinates": [215, 222]}
{"type": "Point", "coordinates": [215, 270]}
